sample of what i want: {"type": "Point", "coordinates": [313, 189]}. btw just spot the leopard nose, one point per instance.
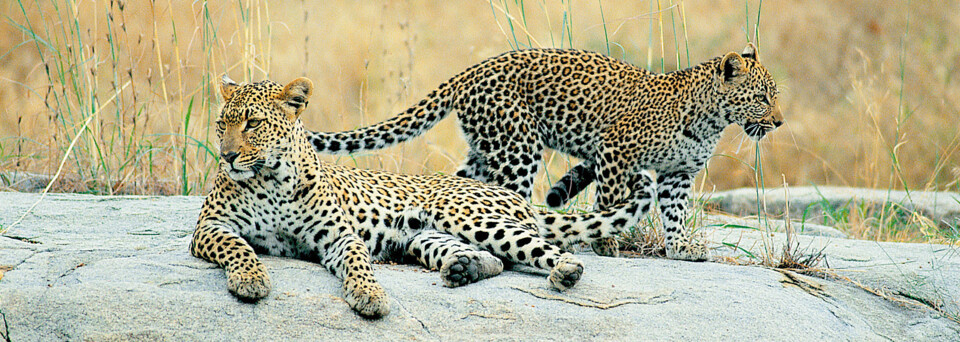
{"type": "Point", "coordinates": [229, 157]}
{"type": "Point", "coordinates": [777, 123]}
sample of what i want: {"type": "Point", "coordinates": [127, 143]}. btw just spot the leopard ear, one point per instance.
{"type": "Point", "coordinates": [295, 97]}
{"type": "Point", "coordinates": [227, 87]}
{"type": "Point", "coordinates": [733, 68]}
{"type": "Point", "coordinates": [751, 52]}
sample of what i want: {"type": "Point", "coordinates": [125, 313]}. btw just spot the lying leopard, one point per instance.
{"type": "Point", "coordinates": [620, 119]}
{"type": "Point", "coordinates": [273, 196]}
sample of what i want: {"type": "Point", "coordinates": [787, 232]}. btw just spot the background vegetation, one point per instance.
{"type": "Point", "coordinates": [123, 93]}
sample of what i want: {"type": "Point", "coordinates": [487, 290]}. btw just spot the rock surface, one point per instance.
{"type": "Point", "coordinates": [725, 221]}
{"type": "Point", "coordinates": [117, 268]}
{"type": "Point", "coordinates": [809, 202]}
{"type": "Point", "coordinates": [924, 274]}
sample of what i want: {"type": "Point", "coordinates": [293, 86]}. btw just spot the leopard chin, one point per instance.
{"type": "Point", "coordinates": [238, 175]}
{"type": "Point", "coordinates": [755, 130]}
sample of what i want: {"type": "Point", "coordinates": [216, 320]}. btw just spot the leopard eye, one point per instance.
{"type": "Point", "coordinates": [253, 123]}
{"type": "Point", "coordinates": [221, 125]}
{"type": "Point", "coordinates": [762, 98]}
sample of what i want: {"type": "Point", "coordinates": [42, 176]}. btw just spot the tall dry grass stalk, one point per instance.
{"type": "Point", "coordinates": [63, 60]}
{"type": "Point", "coordinates": [868, 90]}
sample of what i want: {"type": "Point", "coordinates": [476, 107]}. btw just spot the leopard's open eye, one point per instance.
{"type": "Point", "coordinates": [762, 98]}
{"type": "Point", "coordinates": [253, 123]}
{"type": "Point", "coordinates": [221, 125]}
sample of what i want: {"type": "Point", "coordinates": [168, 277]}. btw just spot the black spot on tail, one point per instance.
{"type": "Point", "coordinates": [572, 183]}
{"type": "Point", "coordinates": [554, 198]}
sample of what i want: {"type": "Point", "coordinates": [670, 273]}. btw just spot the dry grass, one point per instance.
{"type": "Point", "coordinates": [869, 90]}
{"type": "Point", "coordinates": [890, 222]}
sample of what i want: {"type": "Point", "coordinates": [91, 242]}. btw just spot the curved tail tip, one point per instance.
{"type": "Point", "coordinates": [554, 200]}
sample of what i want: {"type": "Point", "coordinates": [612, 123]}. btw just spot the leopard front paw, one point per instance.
{"type": "Point", "coordinates": [566, 273]}
{"type": "Point", "coordinates": [467, 267]}
{"type": "Point", "coordinates": [608, 247]}
{"type": "Point", "coordinates": [368, 300]}
{"type": "Point", "coordinates": [689, 251]}
{"type": "Point", "coordinates": [249, 285]}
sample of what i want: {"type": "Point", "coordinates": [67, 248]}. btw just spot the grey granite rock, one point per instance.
{"type": "Point", "coordinates": [117, 268]}
{"type": "Point", "coordinates": [809, 202]}
{"type": "Point", "coordinates": [802, 228]}
{"type": "Point", "coordinates": [917, 274]}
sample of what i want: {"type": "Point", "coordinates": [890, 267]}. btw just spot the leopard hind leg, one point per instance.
{"type": "Point", "coordinates": [474, 167]}
{"type": "Point", "coordinates": [509, 239]}
{"type": "Point", "coordinates": [512, 153]}
{"type": "Point", "coordinates": [459, 263]}
{"type": "Point", "coordinates": [641, 183]}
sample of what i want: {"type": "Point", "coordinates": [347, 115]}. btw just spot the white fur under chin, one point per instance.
{"type": "Point", "coordinates": [237, 175]}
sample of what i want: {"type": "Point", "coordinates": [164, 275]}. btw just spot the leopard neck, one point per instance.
{"type": "Point", "coordinates": [698, 99]}
{"type": "Point", "coordinates": [299, 151]}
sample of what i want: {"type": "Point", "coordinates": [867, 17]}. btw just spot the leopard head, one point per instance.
{"type": "Point", "coordinates": [748, 94]}
{"type": "Point", "coordinates": [257, 122]}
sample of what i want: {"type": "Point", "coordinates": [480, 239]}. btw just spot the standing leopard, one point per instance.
{"type": "Point", "coordinates": [619, 119]}
{"type": "Point", "coordinates": [272, 195]}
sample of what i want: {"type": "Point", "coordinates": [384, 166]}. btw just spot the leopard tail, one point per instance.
{"type": "Point", "coordinates": [567, 229]}
{"type": "Point", "coordinates": [409, 124]}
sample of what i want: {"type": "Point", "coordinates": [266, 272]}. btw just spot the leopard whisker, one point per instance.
{"type": "Point", "coordinates": [258, 165]}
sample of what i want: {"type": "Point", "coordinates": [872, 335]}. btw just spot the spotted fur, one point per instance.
{"type": "Point", "coordinates": [620, 119]}
{"type": "Point", "coordinates": [272, 195]}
